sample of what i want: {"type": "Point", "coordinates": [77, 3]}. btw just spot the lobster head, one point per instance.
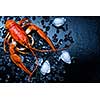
{"type": "Point", "coordinates": [9, 24]}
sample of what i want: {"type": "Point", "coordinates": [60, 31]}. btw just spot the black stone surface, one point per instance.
{"type": "Point", "coordinates": [82, 32]}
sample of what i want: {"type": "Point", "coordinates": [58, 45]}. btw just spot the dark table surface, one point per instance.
{"type": "Point", "coordinates": [85, 51]}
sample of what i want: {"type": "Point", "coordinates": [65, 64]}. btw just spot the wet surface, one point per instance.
{"type": "Point", "coordinates": [83, 33]}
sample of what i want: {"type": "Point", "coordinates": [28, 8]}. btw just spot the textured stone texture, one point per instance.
{"type": "Point", "coordinates": [82, 32]}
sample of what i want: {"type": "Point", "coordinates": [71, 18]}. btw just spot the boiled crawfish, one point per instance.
{"type": "Point", "coordinates": [16, 34]}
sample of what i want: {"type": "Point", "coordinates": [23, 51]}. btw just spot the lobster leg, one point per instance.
{"type": "Point", "coordinates": [31, 40]}
{"type": "Point", "coordinates": [16, 59]}
{"type": "Point", "coordinates": [6, 40]}
{"type": "Point", "coordinates": [21, 50]}
{"type": "Point", "coordinates": [41, 33]}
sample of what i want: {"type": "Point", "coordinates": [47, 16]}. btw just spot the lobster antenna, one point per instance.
{"type": "Point", "coordinates": [60, 49]}
{"type": "Point", "coordinates": [31, 49]}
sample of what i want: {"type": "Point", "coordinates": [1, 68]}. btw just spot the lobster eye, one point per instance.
{"type": "Point", "coordinates": [9, 23]}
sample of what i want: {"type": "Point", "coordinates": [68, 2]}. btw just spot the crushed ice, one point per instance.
{"type": "Point", "coordinates": [65, 56]}
{"type": "Point", "coordinates": [45, 67]}
{"type": "Point", "coordinates": [59, 22]}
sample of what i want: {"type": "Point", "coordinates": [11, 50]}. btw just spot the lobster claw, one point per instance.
{"type": "Point", "coordinates": [17, 60]}
{"type": "Point", "coordinates": [42, 34]}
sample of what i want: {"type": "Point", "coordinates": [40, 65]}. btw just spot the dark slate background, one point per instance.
{"type": "Point", "coordinates": [85, 51]}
